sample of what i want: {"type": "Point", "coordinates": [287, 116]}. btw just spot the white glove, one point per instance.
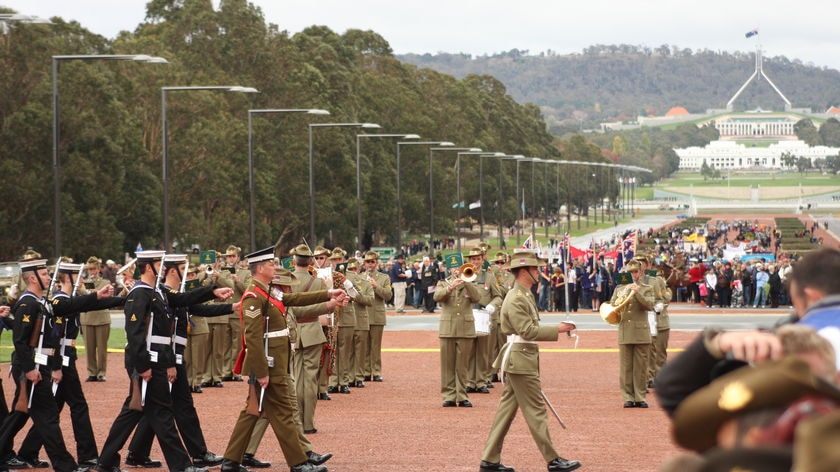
{"type": "Point", "coordinates": [350, 289]}
{"type": "Point", "coordinates": [490, 309]}
{"type": "Point", "coordinates": [658, 307]}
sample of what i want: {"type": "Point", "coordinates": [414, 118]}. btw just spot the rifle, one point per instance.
{"type": "Point", "coordinates": [22, 405]}
{"type": "Point", "coordinates": [136, 402]}
{"type": "Point", "coordinates": [254, 404]}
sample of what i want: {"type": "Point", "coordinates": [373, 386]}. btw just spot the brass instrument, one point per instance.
{"type": "Point", "coordinates": [468, 273]}
{"type": "Point", "coordinates": [613, 314]}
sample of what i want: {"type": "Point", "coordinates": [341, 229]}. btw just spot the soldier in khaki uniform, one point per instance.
{"type": "Point", "coordinates": [321, 256]}
{"type": "Point", "coordinates": [520, 361]}
{"type": "Point", "coordinates": [198, 349]}
{"type": "Point", "coordinates": [96, 325]}
{"type": "Point", "coordinates": [634, 336]}
{"type": "Point", "coordinates": [237, 278]}
{"type": "Point", "coordinates": [361, 333]}
{"type": "Point", "coordinates": [481, 370]}
{"type": "Point", "coordinates": [381, 284]}
{"type": "Point", "coordinates": [268, 366]}
{"type": "Point", "coordinates": [219, 326]}
{"type": "Point", "coordinates": [457, 336]}
{"type": "Point", "coordinates": [361, 295]}
{"type": "Point", "coordinates": [505, 280]}
{"type": "Point", "coordinates": [661, 300]}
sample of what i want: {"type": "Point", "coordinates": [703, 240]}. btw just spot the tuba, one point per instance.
{"type": "Point", "coordinates": [468, 273]}
{"type": "Point", "coordinates": [613, 314]}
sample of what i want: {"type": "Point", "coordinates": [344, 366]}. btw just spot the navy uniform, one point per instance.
{"type": "Point", "coordinates": [266, 358]}
{"type": "Point", "coordinates": [148, 326]}
{"type": "Point", "coordinates": [36, 359]}
{"type": "Point", "coordinates": [186, 417]}
{"type": "Point", "coordinates": [519, 362]}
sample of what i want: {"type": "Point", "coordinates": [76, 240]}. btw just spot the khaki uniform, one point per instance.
{"type": "Point", "coordinates": [345, 359]}
{"type": "Point", "coordinates": [243, 278]}
{"type": "Point", "coordinates": [261, 318]}
{"type": "Point", "coordinates": [363, 307]}
{"type": "Point", "coordinates": [96, 329]}
{"type": "Point", "coordinates": [481, 369]}
{"type": "Point", "coordinates": [634, 342]}
{"type": "Point", "coordinates": [659, 343]}
{"type": "Point", "coordinates": [198, 350]}
{"type": "Point", "coordinates": [520, 360]}
{"type": "Point", "coordinates": [378, 320]}
{"type": "Point", "coordinates": [218, 341]}
{"type": "Point", "coordinates": [457, 336]}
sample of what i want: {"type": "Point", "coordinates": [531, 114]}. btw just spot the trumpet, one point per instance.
{"type": "Point", "coordinates": [468, 273]}
{"type": "Point", "coordinates": [613, 314]}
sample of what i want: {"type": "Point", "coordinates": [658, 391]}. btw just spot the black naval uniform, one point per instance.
{"type": "Point", "coordinates": [44, 410]}
{"type": "Point", "coordinates": [145, 308]}
{"type": "Point", "coordinates": [62, 330]}
{"type": "Point", "coordinates": [185, 415]}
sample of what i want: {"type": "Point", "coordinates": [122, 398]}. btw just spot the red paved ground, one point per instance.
{"type": "Point", "coordinates": [399, 425]}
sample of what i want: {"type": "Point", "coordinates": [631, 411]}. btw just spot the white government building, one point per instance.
{"type": "Point", "coordinates": [733, 155]}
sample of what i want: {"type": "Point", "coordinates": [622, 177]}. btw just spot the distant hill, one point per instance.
{"type": "Point", "coordinates": [608, 82]}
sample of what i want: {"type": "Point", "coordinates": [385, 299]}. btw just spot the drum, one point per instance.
{"type": "Point", "coordinates": [482, 322]}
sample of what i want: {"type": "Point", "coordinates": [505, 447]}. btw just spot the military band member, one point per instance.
{"type": "Point", "coordinates": [236, 278]}
{"type": "Point", "coordinates": [219, 339]}
{"type": "Point", "coordinates": [37, 364]}
{"type": "Point", "coordinates": [505, 280]}
{"type": "Point", "coordinates": [198, 348]}
{"type": "Point", "coordinates": [381, 284]}
{"type": "Point", "coordinates": [457, 336]}
{"type": "Point", "coordinates": [481, 370]}
{"type": "Point", "coordinates": [661, 300]}
{"type": "Point", "coordinates": [321, 256]}
{"type": "Point", "coordinates": [634, 336]}
{"type": "Point", "coordinates": [266, 361]}
{"type": "Point", "coordinates": [344, 375]}
{"type": "Point", "coordinates": [519, 364]}
{"type": "Point", "coordinates": [96, 326]}
{"type": "Point", "coordinates": [151, 364]}
{"type": "Point", "coordinates": [363, 307]}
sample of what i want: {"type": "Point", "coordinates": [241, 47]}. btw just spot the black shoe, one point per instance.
{"type": "Point", "coordinates": [562, 465]}
{"type": "Point", "coordinates": [318, 459]}
{"type": "Point", "coordinates": [629, 404]}
{"type": "Point", "coordinates": [367, 378]}
{"type": "Point", "coordinates": [88, 463]}
{"type": "Point", "coordinates": [470, 389]}
{"type": "Point", "coordinates": [193, 468]}
{"type": "Point", "coordinates": [465, 404]}
{"type": "Point", "coordinates": [481, 390]}
{"type": "Point", "coordinates": [490, 385]}
{"type": "Point", "coordinates": [249, 460]}
{"type": "Point", "coordinates": [206, 384]}
{"type": "Point", "coordinates": [377, 378]}
{"type": "Point", "coordinates": [449, 404]}
{"type": "Point", "coordinates": [642, 405]}
{"type": "Point", "coordinates": [15, 463]}
{"type": "Point", "coordinates": [344, 389]}
{"type": "Point", "coordinates": [217, 384]}
{"type": "Point", "coordinates": [332, 389]}
{"type": "Point", "coordinates": [230, 466]}
{"type": "Point", "coordinates": [208, 459]}
{"type": "Point", "coordinates": [197, 389]}
{"type": "Point", "coordinates": [101, 378]}
{"type": "Point", "coordinates": [324, 396]}
{"type": "Point", "coordinates": [494, 467]}
{"type": "Point", "coordinates": [308, 467]}
{"type": "Point", "coordinates": [144, 462]}
{"type": "Point", "coordinates": [496, 378]}
{"type": "Point", "coordinates": [91, 378]}
{"type": "Point", "coordinates": [359, 384]}
{"type": "Point", "coordinates": [35, 463]}
{"type": "Point", "coordinates": [310, 431]}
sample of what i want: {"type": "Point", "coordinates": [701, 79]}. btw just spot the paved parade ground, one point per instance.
{"type": "Point", "coordinates": [399, 424]}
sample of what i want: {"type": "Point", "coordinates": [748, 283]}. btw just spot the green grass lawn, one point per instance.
{"type": "Point", "coordinates": [769, 179]}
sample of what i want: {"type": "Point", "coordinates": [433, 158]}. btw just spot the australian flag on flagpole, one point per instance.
{"type": "Point", "coordinates": [751, 33]}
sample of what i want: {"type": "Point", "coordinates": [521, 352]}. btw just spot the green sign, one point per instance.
{"type": "Point", "coordinates": [207, 257]}
{"type": "Point", "coordinates": [386, 253]}
{"type": "Point", "coordinates": [454, 260]}
{"type": "Point", "coordinates": [288, 263]}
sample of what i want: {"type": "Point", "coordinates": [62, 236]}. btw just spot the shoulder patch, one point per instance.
{"type": "Point", "coordinates": [133, 317]}
{"type": "Point", "coordinates": [252, 311]}
{"type": "Point", "coordinates": [55, 301]}
{"type": "Point", "coordinates": [25, 319]}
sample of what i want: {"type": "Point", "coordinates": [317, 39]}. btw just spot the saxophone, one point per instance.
{"type": "Point", "coordinates": [330, 352]}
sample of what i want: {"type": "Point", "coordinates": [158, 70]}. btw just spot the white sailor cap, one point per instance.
{"type": "Point", "coordinates": [68, 268]}
{"type": "Point", "coordinates": [150, 256]}
{"type": "Point", "coordinates": [261, 255]}
{"type": "Point", "coordinates": [32, 265]}
{"type": "Point", "coordinates": [174, 260]}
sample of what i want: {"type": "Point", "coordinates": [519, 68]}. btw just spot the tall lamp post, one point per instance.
{"type": "Point", "coordinates": [432, 193]}
{"type": "Point", "coordinates": [399, 193]}
{"type": "Point", "coordinates": [359, 177]}
{"type": "Point", "coordinates": [167, 239]}
{"type": "Point", "coordinates": [312, 168]}
{"type": "Point", "coordinates": [502, 198]}
{"type": "Point", "coordinates": [56, 130]}
{"type": "Point", "coordinates": [251, 190]}
{"type": "Point", "coordinates": [481, 156]}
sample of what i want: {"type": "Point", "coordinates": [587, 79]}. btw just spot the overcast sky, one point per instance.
{"type": "Point", "coordinates": [798, 31]}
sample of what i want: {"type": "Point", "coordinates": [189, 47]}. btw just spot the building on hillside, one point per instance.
{"type": "Point", "coordinates": [725, 155]}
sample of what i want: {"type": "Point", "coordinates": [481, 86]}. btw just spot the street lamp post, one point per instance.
{"type": "Point", "coordinates": [458, 202]}
{"type": "Point", "coordinates": [399, 193]}
{"type": "Point", "coordinates": [359, 177]}
{"type": "Point", "coordinates": [56, 161]}
{"type": "Point", "coordinates": [312, 168]}
{"type": "Point", "coordinates": [251, 190]}
{"type": "Point", "coordinates": [431, 192]}
{"type": "Point", "coordinates": [481, 156]}
{"type": "Point", "coordinates": [167, 239]}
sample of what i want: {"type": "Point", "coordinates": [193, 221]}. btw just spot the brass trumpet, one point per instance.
{"type": "Point", "coordinates": [613, 314]}
{"type": "Point", "coordinates": [468, 273]}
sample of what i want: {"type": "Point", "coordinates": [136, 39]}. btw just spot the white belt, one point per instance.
{"type": "Point", "coordinates": [179, 340]}
{"type": "Point", "coordinates": [155, 339]}
{"type": "Point", "coordinates": [511, 340]}
{"type": "Point", "coordinates": [68, 342]}
{"type": "Point", "coordinates": [277, 334]}
{"type": "Point", "coordinates": [46, 351]}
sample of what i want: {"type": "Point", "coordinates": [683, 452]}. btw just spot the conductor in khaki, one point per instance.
{"type": "Point", "coordinates": [457, 336]}
{"type": "Point", "coordinates": [634, 337]}
{"type": "Point", "coordinates": [519, 361]}
{"type": "Point", "coordinates": [268, 364]}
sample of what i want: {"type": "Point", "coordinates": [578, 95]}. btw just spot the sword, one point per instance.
{"type": "Point", "coordinates": [262, 395]}
{"type": "Point", "coordinates": [143, 392]}
{"type": "Point", "coordinates": [551, 407]}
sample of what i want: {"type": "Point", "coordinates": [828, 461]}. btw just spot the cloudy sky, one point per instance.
{"type": "Point", "coordinates": [491, 26]}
